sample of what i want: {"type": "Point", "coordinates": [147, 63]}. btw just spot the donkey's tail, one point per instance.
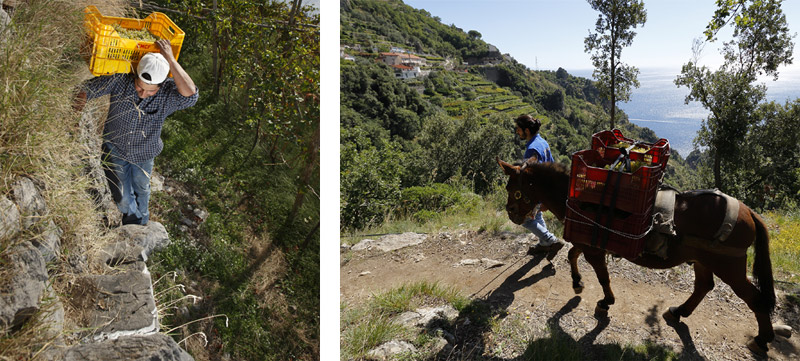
{"type": "Point", "coordinates": [762, 266]}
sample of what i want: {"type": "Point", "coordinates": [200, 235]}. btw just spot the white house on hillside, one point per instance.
{"type": "Point", "coordinates": [344, 55]}
{"type": "Point", "coordinates": [408, 72]}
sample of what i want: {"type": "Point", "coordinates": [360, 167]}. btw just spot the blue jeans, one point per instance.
{"type": "Point", "coordinates": [129, 183]}
{"type": "Point", "coordinates": [539, 229]}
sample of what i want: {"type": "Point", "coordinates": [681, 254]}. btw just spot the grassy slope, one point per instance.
{"type": "Point", "coordinates": [39, 138]}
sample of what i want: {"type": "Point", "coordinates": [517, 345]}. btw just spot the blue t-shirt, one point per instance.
{"type": "Point", "coordinates": [538, 147]}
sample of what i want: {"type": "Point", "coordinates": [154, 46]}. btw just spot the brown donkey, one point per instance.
{"type": "Point", "coordinates": [548, 184]}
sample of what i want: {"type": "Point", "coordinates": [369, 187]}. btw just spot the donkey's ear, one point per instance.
{"type": "Point", "coordinates": [508, 169]}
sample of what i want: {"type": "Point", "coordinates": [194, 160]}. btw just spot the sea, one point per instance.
{"type": "Point", "coordinates": [660, 105]}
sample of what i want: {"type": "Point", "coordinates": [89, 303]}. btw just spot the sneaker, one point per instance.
{"type": "Point", "coordinates": [552, 248]}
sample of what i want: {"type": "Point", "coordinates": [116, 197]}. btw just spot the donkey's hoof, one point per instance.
{"type": "Point", "coordinates": [577, 287]}
{"type": "Point", "coordinates": [670, 315]}
{"type": "Point", "coordinates": [782, 330]}
{"type": "Point", "coordinates": [756, 349]}
{"type": "Point", "coordinates": [601, 311]}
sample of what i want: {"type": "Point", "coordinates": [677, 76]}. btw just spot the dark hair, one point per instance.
{"type": "Point", "coordinates": [526, 121]}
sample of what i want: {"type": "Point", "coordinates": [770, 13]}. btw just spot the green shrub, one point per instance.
{"type": "Point", "coordinates": [426, 202]}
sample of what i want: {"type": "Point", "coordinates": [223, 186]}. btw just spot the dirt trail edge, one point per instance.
{"type": "Point", "coordinates": [531, 299]}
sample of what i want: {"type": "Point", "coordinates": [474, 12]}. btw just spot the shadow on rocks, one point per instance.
{"type": "Point", "coordinates": [474, 320]}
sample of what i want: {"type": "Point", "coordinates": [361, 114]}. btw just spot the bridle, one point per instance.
{"type": "Point", "coordinates": [519, 195]}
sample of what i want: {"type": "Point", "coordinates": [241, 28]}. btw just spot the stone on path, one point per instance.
{"type": "Point", "coordinates": [115, 305]}
{"type": "Point", "coordinates": [468, 262]}
{"type": "Point", "coordinates": [391, 348]}
{"type": "Point", "coordinates": [156, 347]}
{"type": "Point", "coordinates": [491, 263]}
{"type": "Point", "coordinates": [485, 262]}
{"type": "Point", "coordinates": [424, 317]}
{"type": "Point", "coordinates": [151, 237]}
{"type": "Point", "coordinates": [391, 242]}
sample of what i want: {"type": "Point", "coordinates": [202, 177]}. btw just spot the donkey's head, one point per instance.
{"type": "Point", "coordinates": [521, 203]}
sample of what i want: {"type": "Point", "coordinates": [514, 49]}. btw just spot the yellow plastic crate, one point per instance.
{"type": "Point", "coordinates": [111, 54]}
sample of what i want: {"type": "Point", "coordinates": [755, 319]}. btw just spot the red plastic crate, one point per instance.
{"type": "Point", "coordinates": [588, 180]}
{"type": "Point", "coordinates": [657, 153]}
{"type": "Point", "coordinates": [629, 233]}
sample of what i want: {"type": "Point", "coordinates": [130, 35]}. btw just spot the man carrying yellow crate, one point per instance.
{"type": "Point", "coordinates": [139, 104]}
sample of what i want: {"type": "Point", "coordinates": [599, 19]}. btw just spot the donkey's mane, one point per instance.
{"type": "Point", "coordinates": [552, 169]}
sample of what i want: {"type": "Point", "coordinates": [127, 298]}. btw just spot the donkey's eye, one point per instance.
{"type": "Point", "coordinates": [517, 195]}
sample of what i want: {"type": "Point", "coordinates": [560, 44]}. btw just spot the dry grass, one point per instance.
{"type": "Point", "coordinates": [40, 68]}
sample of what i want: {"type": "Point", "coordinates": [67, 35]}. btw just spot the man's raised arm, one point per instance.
{"type": "Point", "coordinates": [183, 81]}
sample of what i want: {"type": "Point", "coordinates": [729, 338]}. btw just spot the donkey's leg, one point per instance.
{"type": "Point", "coordinates": [734, 273]}
{"type": "Point", "coordinates": [572, 256]}
{"type": "Point", "coordinates": [597, 258]}
{"type": "Point", "coordinates": [703, 283]}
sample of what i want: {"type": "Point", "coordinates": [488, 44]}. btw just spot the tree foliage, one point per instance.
{"type": "Point", "coordinates": [613, 31]}
{"type": "Point", "coordinates": [761, 43]}
{"type": "Point", "coordinates": [370, 89]}
{"type": "Point", "coordinates": [250, 149]}
{"type": "Point", "coordinates": [773, 179]}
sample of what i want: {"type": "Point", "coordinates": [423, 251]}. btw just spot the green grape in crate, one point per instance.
{"type": "Point", "coordinates": [133, 34]}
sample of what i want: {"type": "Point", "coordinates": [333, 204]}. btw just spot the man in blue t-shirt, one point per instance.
{"type": "Point", "coordinates": [139, 103]}
{"type": "Point", "coordinates": [537, 148]}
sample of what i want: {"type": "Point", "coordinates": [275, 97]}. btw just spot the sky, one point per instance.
{"type": "Point", "coordinates": [314, 3]}
{"type": "Point", "coordinates": [548, 34]}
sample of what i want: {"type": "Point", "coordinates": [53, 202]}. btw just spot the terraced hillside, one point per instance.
{"type": "Point", "coordinates": [489, 98]}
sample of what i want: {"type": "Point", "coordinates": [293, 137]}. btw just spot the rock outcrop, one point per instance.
{"type": "Point", "coordinates": [157, 347]}
{"type": "Point", "coordinates": [113, 310]}
{"type": "Point", "coordinates": [391, 242]}
{"type": "Point", "coordinates": [25, 287]}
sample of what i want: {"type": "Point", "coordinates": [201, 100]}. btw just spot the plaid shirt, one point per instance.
{"type": "Point", "coordinates": [134, 125]}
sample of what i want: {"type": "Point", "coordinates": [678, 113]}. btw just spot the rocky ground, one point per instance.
{"type": "Point", "coordinates": [531, 302]}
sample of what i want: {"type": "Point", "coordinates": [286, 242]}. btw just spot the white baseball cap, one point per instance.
{"type": "Point", "coordinates": [153, 68]}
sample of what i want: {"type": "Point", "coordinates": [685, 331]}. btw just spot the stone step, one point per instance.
{"type": "Point", "coordinates": [155, 347]}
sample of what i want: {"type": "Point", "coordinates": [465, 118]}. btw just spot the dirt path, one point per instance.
{"type": "Point", "coordinates": [532, 300]}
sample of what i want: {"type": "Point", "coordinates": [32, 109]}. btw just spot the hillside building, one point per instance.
{"type": "Point", "coordinates": [408, 72]}
{"type": "Point", "coordinates": [344, 55]}
{"type": "Point", "coordinates": [402, 59]}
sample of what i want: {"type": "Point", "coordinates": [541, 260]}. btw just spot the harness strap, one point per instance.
{"type": "Point", "coordinates": [731, 216]}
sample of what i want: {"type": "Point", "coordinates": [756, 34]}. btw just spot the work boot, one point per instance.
{"type": "Point", "coordinates": [551, 249]}
{"type": "Point", "coordinates": [131, 219]}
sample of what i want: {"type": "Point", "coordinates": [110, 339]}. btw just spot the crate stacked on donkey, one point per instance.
{"type": "Point", "coordinates": [612, 190]}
